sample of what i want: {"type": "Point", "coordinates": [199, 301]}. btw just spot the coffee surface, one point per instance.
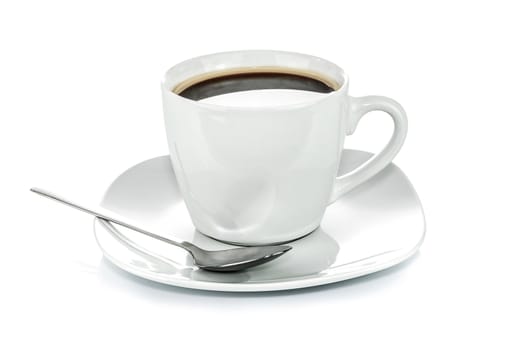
{"type": "Point", "coordinates": [215, 84]}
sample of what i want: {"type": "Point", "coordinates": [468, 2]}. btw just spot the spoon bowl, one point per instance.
{"type": "Point", "coordinates": [229, 260]}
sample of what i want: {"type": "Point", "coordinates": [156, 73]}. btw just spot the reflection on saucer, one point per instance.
{"type": "Point", "coordinates": [310, 255]}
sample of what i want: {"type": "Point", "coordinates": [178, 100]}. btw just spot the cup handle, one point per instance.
{"type": "Point", "coordinates": [359, 106]}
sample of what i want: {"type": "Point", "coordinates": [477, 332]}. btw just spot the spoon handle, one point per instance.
{"type": "Point", "coordinates": [106, 217]}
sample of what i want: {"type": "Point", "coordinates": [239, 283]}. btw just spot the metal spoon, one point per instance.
{"type": "Point", "coordinates": [227, 260]}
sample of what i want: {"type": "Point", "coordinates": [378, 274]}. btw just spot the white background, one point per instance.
{"type": "Point", "coordinates": [80, 103]}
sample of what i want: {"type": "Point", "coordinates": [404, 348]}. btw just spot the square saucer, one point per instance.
{"type": "Point", "coordinates": [375, 226]}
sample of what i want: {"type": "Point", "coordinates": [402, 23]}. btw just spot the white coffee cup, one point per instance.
{"type": "Point", "coordinates": [255, 175]}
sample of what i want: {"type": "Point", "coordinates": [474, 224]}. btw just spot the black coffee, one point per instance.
{"type": "Point", "coordinates": [213, 85]}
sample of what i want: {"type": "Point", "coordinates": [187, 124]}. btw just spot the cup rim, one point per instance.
{"type": "Point", "coordinates": [167, 90]}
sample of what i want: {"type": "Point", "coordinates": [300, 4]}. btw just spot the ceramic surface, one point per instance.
{"type": "Point", "coordinates": [273, 167]}
{"type": "Point", "coordinates": [377, 225]}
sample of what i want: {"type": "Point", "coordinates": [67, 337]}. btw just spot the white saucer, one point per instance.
{"type": "Point", "coordinates": [375, 226]}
